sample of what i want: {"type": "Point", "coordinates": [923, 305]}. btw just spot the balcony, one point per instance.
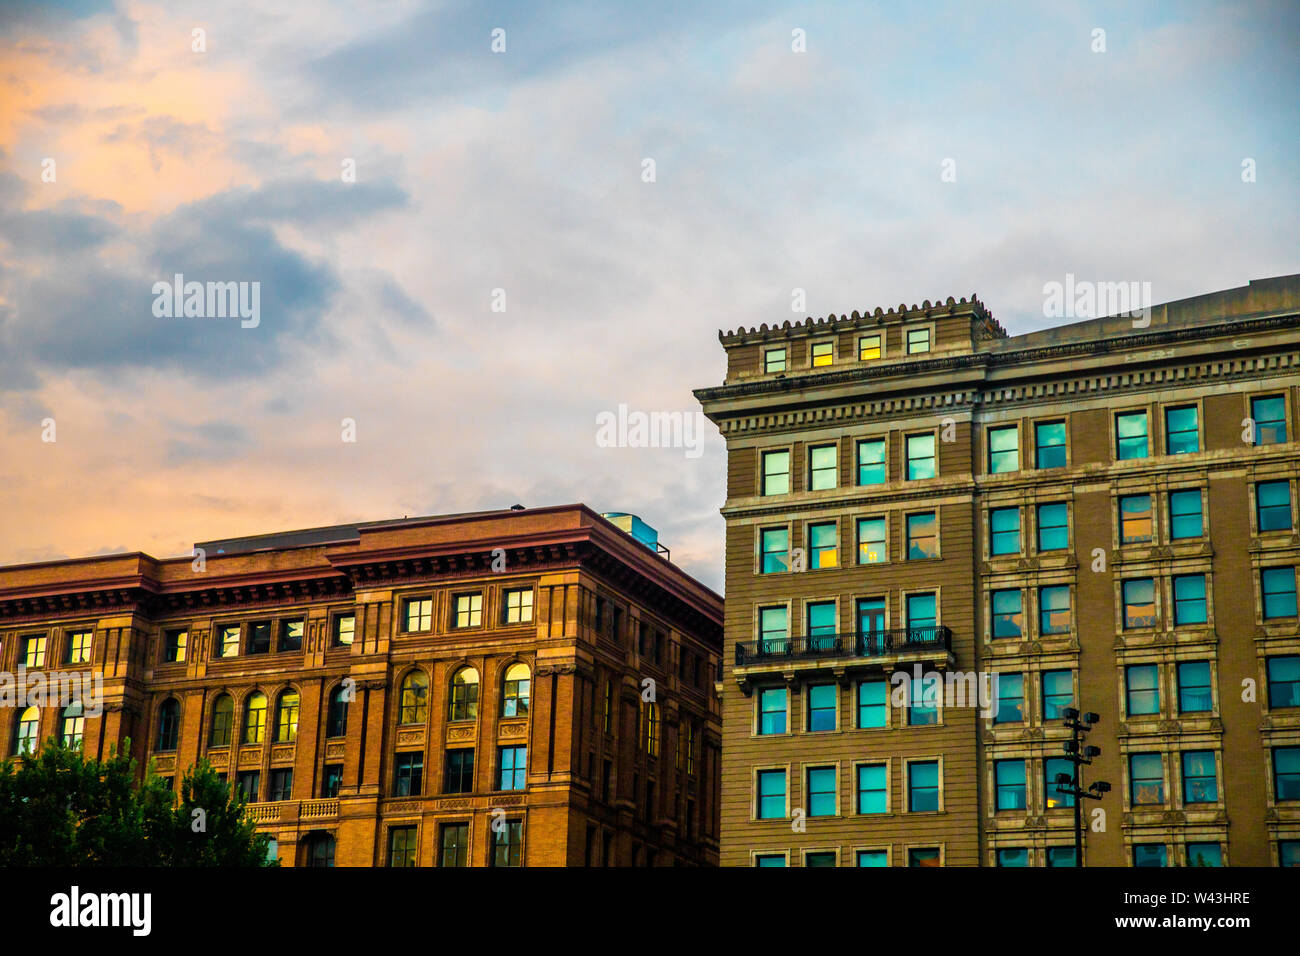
{"type": "Point", "coordinates": [896, 647]}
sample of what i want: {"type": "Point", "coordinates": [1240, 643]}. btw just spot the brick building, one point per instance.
{"type": "Point", "coordinates": [1102, 514]}
{"type": "Point", "coordinates": [459, 690]}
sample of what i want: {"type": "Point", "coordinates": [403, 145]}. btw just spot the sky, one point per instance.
{"type": "Point", "coordinates": [477, 228]}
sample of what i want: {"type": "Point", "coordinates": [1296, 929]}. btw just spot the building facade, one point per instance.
{"type": "Point", "coordinates": [1103, 515]}
{"type": "Point", "coordinates": [523, 687]}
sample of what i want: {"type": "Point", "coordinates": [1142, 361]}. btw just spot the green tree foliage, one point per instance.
{"type": "Point", "coordinates": [60, 808]}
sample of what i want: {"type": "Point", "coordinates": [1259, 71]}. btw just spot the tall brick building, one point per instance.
{"type": "Point", "coordinates": [1103, 514]}
{"type": "Point", "coordinates": [461, 690]}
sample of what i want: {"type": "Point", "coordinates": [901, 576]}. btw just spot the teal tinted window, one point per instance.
{"type": "Point", "coordinates": [873, 701]}
{"type": "Point", "coordinates": [1049, 445]}
{"type": "Point", "coordinates": [823, 467]}
{"type": "Point", "coordinates": [1053, 767]}
{"type": "Point", "coordinates": [771, 710]}
{"type": "Point", "coordinates": [820, 858]}
{"type": "Point", "coordinates": [822, 546]}
{"type": "Point", "coordinates": [1008, 616]}
{"type": "Point", "coordinates": [923, 706]}
{"type": "Point", "coordinates": [1142, 689]}
{"type": "Point", "coordinates": [1009, 782]}
{"type": "Point", "coordinates": [871, 615]}
{"type": "Point", "coordinates": [1270, 420]}
{"type": "Point", "coordinates": [770, 859]}
{"type": "Point", "coordinates": [1004, 527]}
{"type": "Point", "coordinates": [771, 794]}
{"type": "Point", "coordinates": [774, 360]}
{"type": "Point", "coordinates": [871, 462]}
{"type": "Point", "coordinates": [923, 786]}
{"type": "Point", "coordinates": [1139, 602]}
{"type": "Point", "coordinates": [1189, 599]}
{"type": "Point", "coordinates": [1053, 527]}
{"type": "Point", "coordinates": [773, 630]}
{"type": "Point", "coordinates": [1054, 610]}
{"type": "Point", "coordinates": [1273, 505]}
{"type": "Point", "coordinates": [1185, 519]}
{"type": "Point", "coordinates": [1058, 693]}
{"type": "Point", "coordinates": [1182, 430]}
{"type": "Point", "coordinates": [1284, 681]}
{"type": "Point", "coordinates": [873, 858]}
{"type": "Point", "coordinates": [921, 613]}
{"type": "Point", "coordinates": [1194, 692]}
{"type": "Point", "coordinates": [1286, 773]}
{"type": "Point", "coordinates": [821, 626]}
{"type": "Point", "coordinates": [871, 541]}
{"type": "Point", "coordinates": [920, 457]}
{"type": "Point", "coordinates": [1060, 856]}
{"type": "Point", "coordinates": [821, 791]}
{"type": "Point", "coordinates": [922, 536]}
{"type": "Point", "coordinates": [821, 707]}
{"type": "Point", "coordinates": [1004, 450]}
{"type": "Point", "coordinates": [1200, 783]}
{"type": "Point", "coordinates": [1146, 779]}
{"type": "Point", "coordinates": [1204, 854]}
{"type": "Point", "coordinates": [1011, 699]}
{"type": "Point", "coordinates": [872, 789]}
{"type": "Point", "coordinates": [775, 548]}
{"type": "Point", "coordinates": [1150, 854]}
{"type": "Point", "coordinates": [1278, 590]}
{"type": "Point", "coordinates": [1013, 856]}
{"type": "Point", "coordinates": [776, 472]}
{"type": "Point", "coordinates": [1131, 435]}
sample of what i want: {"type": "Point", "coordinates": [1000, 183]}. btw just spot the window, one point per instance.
{"type": "Point", "coordinates": [1131, 436]}
{"type": "Point", "coordinates": [920, 456]}
{"type": "Point", "coordinates": [650, 727]}
{"type": "Point", "coordinates": [1054, 609]}
{"type": "Point", "coordinates": [1277, 586]}
{"type": "Point", "coordinates": [923, 856]}
{"type": "Point", "coordinates": [770, 859]}
{"type": "Point", "coordinates": [871, 462]}
{"type": "Point", "coordinates": [336, 719]}
{"type": "Point", "coordinates": [823, 353]}
{"type": "Point", "coordinates": [345, 626]}
{"type": "Point", "coordinates": [34, 651]}
{"type": "Point", "coordinates": [1270, 419]}
{"type": "Point", "coordinates": [873, 788]}
{"type": "Point", "coordinates": [419, 614]}
{"type": "Point", "coordinates": [871, 541]}
{"type": "Point", "coordinates": [78, 647]}
{"type": "Point", "coordinates": [771, 794]}
{"type": "Point", "coordinates": [1182, 431]}
{"type": "Point", "coordinates": [460, 771]}
{"type": "Point", "coordinates": [1286, 773]}
{"type": "Point", "coordinates": [1004, 528]}
{"type": "Point", "coordinates": [464, 694]}
{"type": "Point", "coordinates": [689, 747]}
{"type": "Point", "coordinates": [1194, 691]}
{"type": "Point", "coordinates": [1283, 681]}
{"type": "Point", "coordinates": [515, 696]}
{"type": "Point", "coordinates": [1053, 527]}
{"type": "Point", "coordinates": [1060, 856]}
{"type": "Point", "coordinates": [1013, 857]}
{"type": "Point", "coordinates": [774, 550]}
{"type": "Point", "coordinates": [453, 845]}
{"type": "Point", "coordinates": [1185, 514]}
{"type": "Point", "coordinates": [1049, 445]}
{"type": "Point", "coordinates": [1139, 602]}
{"type": "Point", "coordinates": [230, 641]}
{"type": "Point", "coordinates": [773, 630]}
{"type": "Point", "coordinates": [823, 467]}
{"type": "Point", "coordinates": [1135, 519]}
{"type": "Point", "coordinates": [1053, 767]}
{"type": "Point", "coordinates": [871, 621]}
{"type": "Point", "coordinates": [873, 704]}
{"type": "Point", "coordinates": [223, 721]}
{"type": "Point", "coordinates": [1200, 783]}
{"type": "Point", "coordinates": [401, 846]}
{"type": "Point", "coordinates": [922, 536]}
{"type": "Point", "coordinates": [513, 761]}
{"type": "Point", "coordinates": [508, 843]}
{"type": "Point", "coordinates": [286, 717]}
{"type": "Point", "coordinates": [821, 792]}
{"type": "Point", "coordinates": [72, 725]}
{"type": "Point", "coordinates": [1204, 854]}
{"type": "Point", "coordinates": [1058, 693]}
{"type": "Point", "coordinates": [822, 546]}
{"type": "Point", "coordinates": [923, 705]}
{"type": "Point", "coordinates": [776, 472]}
{"type": "Point", "coordinates": [918, 340]}
{"type": "Point", "coordinates": [27, 732]}
{"type": "Point", "coordinates": [414, 701]}
{"type": "Point", "coordinates": [921, 616]}
{"type": "Point", "coordinates": [1146, 779]}
{"type": "Point", "coordinates": [290, 636]}
{"type": "Point", "coordinates": [259, 637]}
{"type": "Point", "coordinates": [1008, 617]}
{"type": "Point", "coordinates": [1009, 784]}
{"type": "Point", "coordinates": [469, 610]}
{"type": "Point", "coordinates": [1189, 599]}
{"type": "Point", "coordinates": [1288, 852]}
{"type": "Point", "coordinates": [1142, 689]}
{"type": "Point", "coordinates": [1004, 450]}
{"type": "Point", "coordinates": [174, 643]}
{"type": "Point", "coordinates": [1010, 699]}
{"type": "Point", "coordinates": [873, 858]}
{"type": "Point", "coordinates": [609, 707]}
{"type": "Point", "coordinates": [169, 721]}
{"type": "Point", "coordinates": [331, 780]}
{"type": "Point", "coordinates": [869, 348]}
{"type": "Point", "coordinates": [774, 361]}
{"type": "Point", "coordinates": [1150, 854]}
{"type": "Point", "coordinates": [821, 626]}
{"type": "Point", "coordinates": [1273, 505]}
{"type": "Point", "coordinates": [281, 784]}
{"type": "Point", "coordinates": [821, 707]}
{"type": "Point", "coordinates": [519, 605]}
{"type": "Point", "coordinates": [255, 718]}
{"type": "Point", "coordinates": [320, 850]}
{"type": "Point", "coordinates": [923, 786]}
{"type": "Point", "coordinates": [249, 783]}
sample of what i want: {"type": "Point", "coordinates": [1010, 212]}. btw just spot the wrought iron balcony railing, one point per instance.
{"type": "Point", "coordinates": [865, 644]}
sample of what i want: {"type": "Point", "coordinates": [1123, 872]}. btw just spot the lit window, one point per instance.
{"type": "Point", "coordinates": [27, 732]}
{"type": "Point", "coordinates": [922, 536]}
{"type": "Point", "coordinates": [464, 694]}
{"type": "Point", "coordinates": [286, 717]}
{"type": "Point", "coordinates": [1135, 519]}
{"type": "Point", "coordinates": [774, 361]}
{"type": "Point", "coordinates": [871, 462]}
{"type": "Point", "coordinates": [823, 467]}
{"type": "Point", "coordinates": [872, 541]}
{"type": "Point", "coordinates": [776, 472]}
{"type": "Point", "coordinates": [822, 546]}
{"type": "Point", "coordinates": [1049, 445]}
{"type": "Point", "coordinates": [1131, 436]}
{"type": "Point", "coordinates": [1004, 530]}
{"type": "Point", "coordinates": [1185, 514]}
{"type": "Point", "coordinates": [174, 645]}
{"type": "Point", "coordinates": [823, 353]}
{"type": "Point", "coordinates": [1004, 450]}
{"type": "Point", "coordinates": [255, 718]}
{"type": "Point", "coordinates": [920, 457]}
{"type": "Point", "coordinates": [1273, 505]}
{"type": "Point", "coordinates": [650, 727]}
{"type": "Point", "coordinates": [918, 340]}
{"type": "Point", "coordinates": [1182, 430]}
{"type": "Point", "coordinates": [72, 725]}
{"type": "Point", "coordinates": [869, 348]}
{"type": "Point", "coordinates": [419, 614]}
{"type": "Point", "coordinates": [519, 605]}
{"type": "Point", "coordinates": [34, 652]}
{"type": "Point", "coordinates": [401, 846]}
{"type": "Point", "coordinates": [230, 641]}
{"type": "Point", "coordinates": [1270, 420]}
{"type": "Point", "coordinates": [516, 694]}
{"type": "Point", "coordinates": [414, 702]}
{"type": "Point", "coordinates": [79, 647]}
{"type": "Point", "coordinates": [469, 610]}
{"type": "Point", "coordinates": [223, 721]}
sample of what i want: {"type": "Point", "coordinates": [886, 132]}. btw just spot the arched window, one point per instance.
{"type": "Point", "coordinates": [320, 850]}
{"type": "Point", "coordinates": [72, 725]}
{"type": "Point", "coordinates": [514, 701]}
{"type": "Point", "coordinates": [336, 723]}
{"type": "Point", "coordinates": [286, 717]}
{"type": "Point", "coordinates": [464, 694]}
{"type": "Point", "coordinates": [415, 698]}
{"type": "Point", "coordinates": [255, 718]}
{"type": "Point", "coordinates": [169, 724]}
{"type": "Point", "coordinates": [223, 721]}
{"type": "Point", "coordinates": [27, 732]}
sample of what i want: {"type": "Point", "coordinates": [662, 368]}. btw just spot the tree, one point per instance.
{"type": "Point", "coordinates": [60, 808]}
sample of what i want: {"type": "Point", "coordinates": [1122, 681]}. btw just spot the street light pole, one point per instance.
{"type": "Point", "coordinates": [1079, 754]}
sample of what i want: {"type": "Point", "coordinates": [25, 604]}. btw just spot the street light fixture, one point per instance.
{"type": "Point", "coordinates": [1078, 754]}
